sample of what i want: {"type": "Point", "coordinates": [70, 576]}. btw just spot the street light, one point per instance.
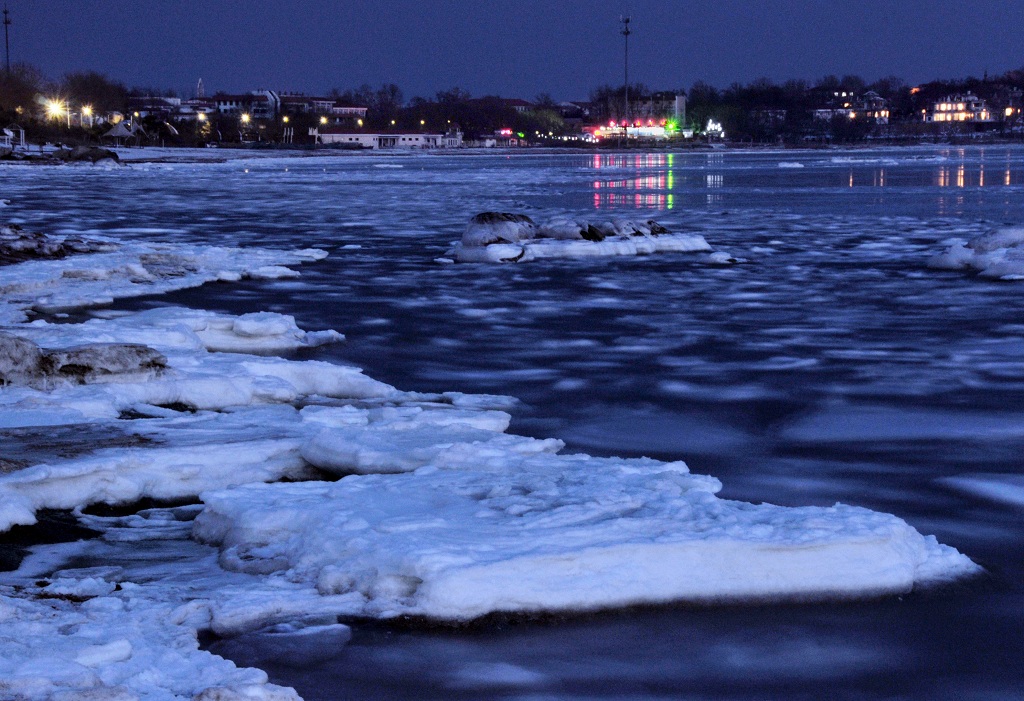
{"type": "Point", "coordinates": [201, 116]}
{"type": "Point", "coordinates": [55, 109]}
{"type": "Point", "coordinates": [245, 118]}
{"type": "Point", "coordinates": [323, 120]}
{"type": "Point", "coordinates": [284, 119]}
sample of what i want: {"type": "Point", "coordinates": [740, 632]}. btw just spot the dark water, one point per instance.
{"type": "Point", "coordinates": [832, 365]}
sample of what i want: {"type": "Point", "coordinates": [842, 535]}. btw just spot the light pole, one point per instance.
{"type": "Point", "coordinates": [625, 33]}
{"type": "Point", "coordinates": [7, 36]}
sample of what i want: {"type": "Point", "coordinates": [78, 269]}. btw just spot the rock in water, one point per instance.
{"type": "Point", "coordinates": [498, 227]}
{"type": "Point", "coordinates": [18, 245]}
{"type": "Point", "coordinates": [22, 362]}
{"type": "Point", "coordinates": [19, 359]}
{"type": "Point", "coordinates": [101, 361]}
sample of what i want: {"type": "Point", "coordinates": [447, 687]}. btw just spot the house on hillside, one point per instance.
{"type": "Point", "coordinates": [958, 109]}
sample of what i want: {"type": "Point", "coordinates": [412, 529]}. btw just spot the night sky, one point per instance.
{"type": "Point", "coordinates": [515, 48]}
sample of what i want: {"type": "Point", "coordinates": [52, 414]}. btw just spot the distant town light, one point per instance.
{"type": "Point", "coordinates": [359, 122]}
{"type": "Point", "coordinates": [1009, 111]}
{"type": "Point", "coordinates": [201, 116]}
{"type": "Point", "coordinates": [323, 120]}
{"type": "Point", "coordinates": [87, 111]}
{"type": "Point", "coordinates": [285, 119]}
{"type": "Point", "coordinates": [54, 109]}
{"type": "Point", "coordinates": [423, 122]}
{"type": "Point", "coordinates": [245, 118]}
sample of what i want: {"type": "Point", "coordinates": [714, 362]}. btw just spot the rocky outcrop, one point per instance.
{"type": "Point", "coordinates": [22, 362]}
{"type": "Point", "coordinates": [87, 154]}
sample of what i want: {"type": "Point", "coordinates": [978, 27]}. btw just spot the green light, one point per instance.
{"type": "Point", "coordinates": [521, 135]}
{"type": "Point", "coordinates": [671, 126]}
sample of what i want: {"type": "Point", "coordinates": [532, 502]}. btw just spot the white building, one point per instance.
{"type": "Point", "coordinates": [958, 108]}
{"type": "Point", "coordinates": [359, 139]}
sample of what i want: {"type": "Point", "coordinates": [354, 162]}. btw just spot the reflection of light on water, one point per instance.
{"type": "Point", "coordinates": [637, 201]}
{"type": "Point", "coordinates": [960, 176]}
{"type": "Point", "coordinates": [981, 176]}
{"type": "Point", "coordinates": [715, 181]}
{"type": "Point", "coordinates": [621, 160]}
{"type": "Point", "coordinates": [606, 192]}
{"type": "Point", "coordinates": [1006, 180]}
{"type": "Point", "coordinates": [851, 178]}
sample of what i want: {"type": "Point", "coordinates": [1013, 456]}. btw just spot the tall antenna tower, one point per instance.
{"type": "Point", "coordinates": [625, 33]}
{"type": "Point", "coordinates": [7, 36]}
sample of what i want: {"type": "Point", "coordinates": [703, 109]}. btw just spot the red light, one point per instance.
{"type": "Point", "coordinates": [612, 123]}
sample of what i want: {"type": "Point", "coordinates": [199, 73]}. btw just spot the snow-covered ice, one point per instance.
{"type": "Point", "coordinates": [480, 529]}
{"type": "Point", "coordinates": [132, 270]}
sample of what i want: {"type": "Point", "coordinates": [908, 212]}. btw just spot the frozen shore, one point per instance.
{"type": "Point", "coordinates": [438, 512]}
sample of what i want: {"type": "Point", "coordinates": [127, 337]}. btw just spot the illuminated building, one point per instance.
{"type": "Point", "coordinates": [958, 109]}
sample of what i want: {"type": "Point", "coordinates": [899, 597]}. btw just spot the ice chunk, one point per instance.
{"type": "Point", "coordinates": [998, 255]}
{"type": "Point", "coordinates": [405, 441]}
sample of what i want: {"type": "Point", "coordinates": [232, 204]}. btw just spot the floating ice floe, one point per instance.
{"type": "Point", "coordinates": [480, 529]}
{"type": "Point", "coordinates": [790, 164]}
{"type": "Point", "coordinates": [499, 237]}
{"type": "Point", "coordinates": [998, 254]}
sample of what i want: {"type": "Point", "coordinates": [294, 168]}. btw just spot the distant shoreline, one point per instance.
{"type": "Point", "coordinates": [152, 154]}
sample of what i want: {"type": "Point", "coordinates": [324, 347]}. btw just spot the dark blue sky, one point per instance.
{"type": "Point", "coordinates": [517, 48]}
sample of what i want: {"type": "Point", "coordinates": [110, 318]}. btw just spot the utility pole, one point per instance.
{"type": "Point", "coordinates": [7, 36]}
{"type": "Point", "coordinates": [625, 33]}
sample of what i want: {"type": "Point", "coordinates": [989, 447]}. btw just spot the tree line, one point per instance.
{"type": "Point", "coordinates": [740, 108]}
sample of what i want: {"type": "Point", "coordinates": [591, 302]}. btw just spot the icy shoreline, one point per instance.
{"type": "Point", "coordinates": [438, 513]}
